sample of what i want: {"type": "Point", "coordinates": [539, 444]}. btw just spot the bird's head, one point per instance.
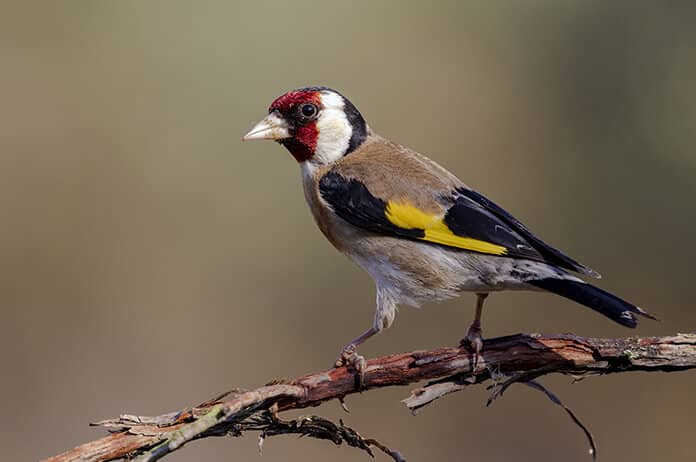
{"type": "Point", "coordinates": [316, 124]}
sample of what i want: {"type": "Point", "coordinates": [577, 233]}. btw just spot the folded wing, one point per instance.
{"type": "Point", "coordinates": [462, 219]}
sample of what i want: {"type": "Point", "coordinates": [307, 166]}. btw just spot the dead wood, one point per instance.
{"type": "Point", "coordinates": [503, 361]}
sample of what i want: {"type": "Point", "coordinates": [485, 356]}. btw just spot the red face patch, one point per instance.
{"type": "Point", "coordinates": [285, 102]}
{"type": "Point", "coordinates": [304, 134]}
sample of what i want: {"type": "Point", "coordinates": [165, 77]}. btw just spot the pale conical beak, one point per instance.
{"type": "Point", "coordinates": [272, 127]}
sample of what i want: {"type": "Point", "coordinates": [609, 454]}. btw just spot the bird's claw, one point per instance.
{"type": "Point", "coordinates": [346, 353]}
{"type": "Point", "coordinates": [474, 340]}
{"type": "Point", "coordinates": [350, 358]}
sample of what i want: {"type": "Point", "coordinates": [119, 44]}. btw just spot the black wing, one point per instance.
{"type": "Point", "coordinates": [468, 221]}
{"type": "Point", "coordinates": [469, 200]}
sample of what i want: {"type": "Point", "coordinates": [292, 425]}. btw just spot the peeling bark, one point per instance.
{"type": "Point", "coordinates": [504, 360]}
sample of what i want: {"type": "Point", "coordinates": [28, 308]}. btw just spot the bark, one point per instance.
{"type": "Point", "coordinates": [504, 360]}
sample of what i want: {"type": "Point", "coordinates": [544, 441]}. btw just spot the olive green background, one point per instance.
{"type": "Point", "coordinates": [150, 260]}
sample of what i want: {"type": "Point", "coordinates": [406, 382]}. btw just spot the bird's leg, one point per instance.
{"type": "Point", "coordinates": [350, 357]}
{"type": "Point", "coordinates": [473, 337]}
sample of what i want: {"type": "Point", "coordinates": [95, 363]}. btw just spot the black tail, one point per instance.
{"type": "Point", "coordinates": [593, 297]}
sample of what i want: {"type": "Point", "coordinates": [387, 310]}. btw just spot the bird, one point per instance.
{"type": "Point", "coordinates": [419, 231]}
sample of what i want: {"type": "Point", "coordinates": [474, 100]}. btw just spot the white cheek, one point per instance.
{"type": "Point", "coordinates": [334, 130]}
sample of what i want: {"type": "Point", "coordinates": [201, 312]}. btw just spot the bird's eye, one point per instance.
{"type": "Point", "coordinates": [309, 110]}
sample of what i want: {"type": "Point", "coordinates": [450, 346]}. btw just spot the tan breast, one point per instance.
{"type": "Point", "coordinates": [337, 233]}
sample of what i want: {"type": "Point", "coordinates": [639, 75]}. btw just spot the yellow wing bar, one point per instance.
{"type": "Point", "coordinates": [409, 217]}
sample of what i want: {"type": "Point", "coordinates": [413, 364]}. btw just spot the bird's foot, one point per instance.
{"type": "Point", "coordinates": [473, 340]}
{"type": "Point", "coordinates": [349, 357]}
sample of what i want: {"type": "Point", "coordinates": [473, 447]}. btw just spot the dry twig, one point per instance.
{"type": "Point", "coordinates": [518, 358]}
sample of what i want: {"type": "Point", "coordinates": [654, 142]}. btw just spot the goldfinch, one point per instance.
{"type": "Point", "coordinates": [420, 232]}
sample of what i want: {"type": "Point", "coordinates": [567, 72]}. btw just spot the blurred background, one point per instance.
{"type": "Point", "coordinates": [150, 260]}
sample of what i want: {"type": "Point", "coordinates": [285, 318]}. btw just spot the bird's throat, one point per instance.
{"type": "Point", "coordinates": [300, 151]}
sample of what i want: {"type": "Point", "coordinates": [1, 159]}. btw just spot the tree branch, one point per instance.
{"type": "Point", "coordinates": [504, 360]}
